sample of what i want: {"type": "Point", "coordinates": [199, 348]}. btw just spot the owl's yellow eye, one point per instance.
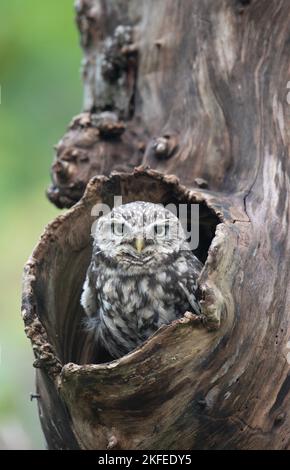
{"type": "Point", "coordinates": [118, 228]}
{"type": "Point", "coordinates": [161, 229]}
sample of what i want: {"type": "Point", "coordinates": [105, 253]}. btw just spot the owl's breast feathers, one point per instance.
{"type": "Point", "coordinates": [125, 310]}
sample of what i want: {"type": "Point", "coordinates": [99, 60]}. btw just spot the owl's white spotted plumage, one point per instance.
{"type": "Point", "coordinates": [142, 275]}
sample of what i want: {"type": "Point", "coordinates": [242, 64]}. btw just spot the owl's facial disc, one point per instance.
{"type": "Point", "coordinates": [146, 236]}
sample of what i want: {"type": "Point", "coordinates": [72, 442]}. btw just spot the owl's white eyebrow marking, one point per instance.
{"type": "Point", "coordinates": [160, 221]}
{"type": "Point", "coordinates": [113, 220]}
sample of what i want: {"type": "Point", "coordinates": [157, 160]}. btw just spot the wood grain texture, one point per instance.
{"type": "Point", "coordinates": [126, 399]}
{"type": "Point", "coordinates": [211, 79]}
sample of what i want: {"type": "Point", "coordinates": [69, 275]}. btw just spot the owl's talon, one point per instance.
{"type": "Point", "coordinates": [212, 306]}
{"type": "Point", "coordinates": [194, 318]}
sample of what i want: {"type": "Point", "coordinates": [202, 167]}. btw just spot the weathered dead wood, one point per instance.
{"type": "Point", "coordinates": [137, 400]}
{"type": "Point", "coordinates": [204, 93]}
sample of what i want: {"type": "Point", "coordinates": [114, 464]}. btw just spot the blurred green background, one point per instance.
{"type": "Point", "coordinates": [40, 92]}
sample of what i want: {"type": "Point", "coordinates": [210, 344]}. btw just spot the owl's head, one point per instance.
{"type": "Point", "coordinates": [139, 234]}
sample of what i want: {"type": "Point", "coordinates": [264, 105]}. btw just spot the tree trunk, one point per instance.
{"type": "Point", "coordinates": [197, 90]}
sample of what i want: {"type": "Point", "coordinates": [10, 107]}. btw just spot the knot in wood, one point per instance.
{"type": "Point", "coordinates": [165, 146]}
{"type": "Point", "coordinates": [108, 124]}
{"type": "Point", "coordinates": [201, 183]}
{"type": "Point", "coordinates": [60, 167]}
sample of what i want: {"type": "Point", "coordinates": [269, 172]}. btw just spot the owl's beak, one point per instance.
{"type": "Point", "coordinates": [139, 244]}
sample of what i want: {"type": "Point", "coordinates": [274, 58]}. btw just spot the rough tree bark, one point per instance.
{"type": "Point", "coordinates": [194, 89]}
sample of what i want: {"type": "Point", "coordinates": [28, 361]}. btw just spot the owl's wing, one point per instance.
{"type": "Point", "coordinates": [89, 298]}
{"type": "Point", "coordinates": [188, 281]}
{"type": "Point", "coordinates": [190, 295]}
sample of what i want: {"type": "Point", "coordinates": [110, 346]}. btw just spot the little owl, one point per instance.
{"type": "Point", "coordinates": [142, 275]}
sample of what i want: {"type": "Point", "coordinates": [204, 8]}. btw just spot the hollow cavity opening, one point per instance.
{"type": "Point", "coordinates": [63, 271]}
